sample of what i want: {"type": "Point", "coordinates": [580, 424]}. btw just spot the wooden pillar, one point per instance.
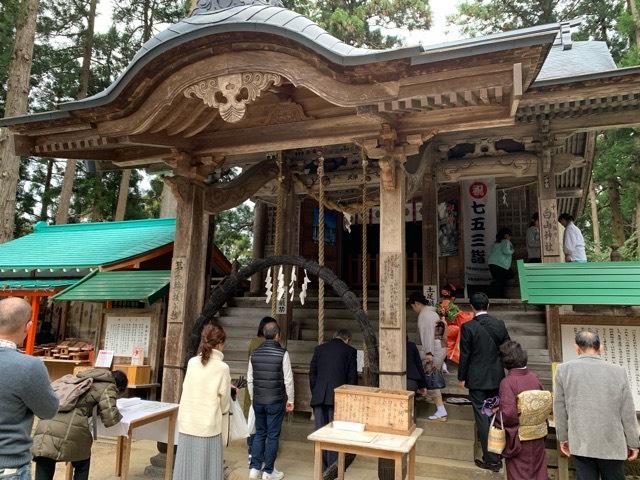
{"type": "Point", "coordinates": [430, 259]}
{"type": "Point", "coordinates": [393, 278]}
{"type": "Point", "coordinates": [186, 296]}
{"type": "Point", "coordinates": [549, 234]}
{"type": "Point", "coordinates": [548, 209]}
{"type": "Point", "coordinates": [31, 334]}
{"type": "Point", "coordinates": [260, 217]}
{"type": "Point", "coordinates": [288, 242]}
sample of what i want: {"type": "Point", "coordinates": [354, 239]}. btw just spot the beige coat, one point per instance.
{"type": "Point", "coordinates": [594, 409]}
{"type": "Point", "coordinates": [205, 396]}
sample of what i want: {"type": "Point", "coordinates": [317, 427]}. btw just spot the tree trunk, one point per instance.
{"type": "Point", "coordinates": [123, 195]}
{"type": "Point", "coordinates": [617, 220]}
{"type": "Point", "coordinates": [44, 215]}
{"type": "Point", "coordinates": [87, 51]}
{"type": "Point", "coordinates": [62, 216]}
{"type": "Point", "coordinates": [635, 14]}
{"type": "Point", "coordinates": [594, 217]}
{"type": "Point", "coordinates": [17, 100]}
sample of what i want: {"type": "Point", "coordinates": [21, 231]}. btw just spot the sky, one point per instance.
{"type": "Point", "coordinates": [440, 31]}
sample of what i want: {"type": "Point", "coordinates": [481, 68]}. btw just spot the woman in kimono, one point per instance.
{"type": "Point", "coordinates": [525, 460]}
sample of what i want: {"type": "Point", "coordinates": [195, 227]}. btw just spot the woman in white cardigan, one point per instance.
{"type": "Point", "coordinates": [205, 399]}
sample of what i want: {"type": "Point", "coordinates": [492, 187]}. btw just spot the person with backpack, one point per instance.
{"type": "Point", "coordinates": [68, 437]}
{"type": "Point", "coordinates": [24, 391]}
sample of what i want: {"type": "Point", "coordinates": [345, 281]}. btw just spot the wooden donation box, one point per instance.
{"type": "Point", "coordinates": [387, 411]}
{"type": "Point", "coordinates": [136, 374]}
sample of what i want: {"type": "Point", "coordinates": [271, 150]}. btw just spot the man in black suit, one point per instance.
{"type": "Point", "coordinates": [333, 364]}
{"type": "Point", "coordinates": [480, 368]}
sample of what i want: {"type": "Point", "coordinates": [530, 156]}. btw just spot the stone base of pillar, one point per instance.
{"type": "Point", "coordinates": [158, 462]}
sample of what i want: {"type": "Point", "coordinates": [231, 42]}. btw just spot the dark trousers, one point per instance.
{"type": "Point", "coordinates": [477, 398]}
{"type": "Point", "coordinates": [501, 277]}
{"type": "Point", "coordinates": [46, 469]}
{"type": "Point", "coordinates": [265, 442]}
{"type": "Point", "coordinates": [323, 415]}
{"type": "Point", "coordinates": [596, 469]}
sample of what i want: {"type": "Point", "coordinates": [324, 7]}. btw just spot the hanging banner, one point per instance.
{"type": "Point", "coordinates": [479, 215]}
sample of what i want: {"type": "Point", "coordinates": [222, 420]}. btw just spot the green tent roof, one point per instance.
{"type": "Point", "coordinates": [142, 285]}
{"type": "Point", "coordinates": [36, 283]}
{"type": "Point", "coordinates": [82, 245]}
{"type": "Point", "coordinates": [592, 283]}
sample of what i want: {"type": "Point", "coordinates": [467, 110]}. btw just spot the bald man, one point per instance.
{"type": "Point", "coordinates": [25, 391]}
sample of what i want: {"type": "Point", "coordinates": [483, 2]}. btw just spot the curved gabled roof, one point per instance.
{"type": "Point", "coordinates": [262, 17]}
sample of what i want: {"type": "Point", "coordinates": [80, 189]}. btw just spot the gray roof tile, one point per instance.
{"type": "Point", "coordinates": [582, 59]}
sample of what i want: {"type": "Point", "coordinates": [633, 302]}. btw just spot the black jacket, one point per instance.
{"type": "Point", "coordinates": [480, 365]}
{"type": "Point", "coordinates": [415, 370]}
{"type": "Point", "coordinates": [268, 374]}
{"type": "Point", "coordinates": [333, 364]}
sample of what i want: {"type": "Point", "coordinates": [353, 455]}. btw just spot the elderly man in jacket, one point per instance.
{"type": "Point", "coordinates": [334, 364]}
{"type": "Point", "coordinates": [24, 391]}
{"type": "Point", "coordinates": [595, 414]}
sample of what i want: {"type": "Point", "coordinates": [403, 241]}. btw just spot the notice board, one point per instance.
{"type": "Point", "coordinates": [621, 347]}
{"type": "Point", "coordinates": [123, 334]}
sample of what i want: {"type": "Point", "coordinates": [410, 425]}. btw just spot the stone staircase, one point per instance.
{"type": "Point", "coordinates": [446, 450]}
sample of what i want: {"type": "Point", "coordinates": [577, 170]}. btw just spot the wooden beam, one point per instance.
{"type": "Point", "coordinates": [602, 121]}
{"type": "Point", "coordinates": [570, 193]}
{"type": "Point", "coordinates": [430, 259]}
{"type": "Point", "coordinates": [516, 92]}
{"type": "Point", "coordinates": [554, 333]}
{"type": "Point", "coordinates": [156, 140]}
{"type": "Point", "coordinates": [124, 264]}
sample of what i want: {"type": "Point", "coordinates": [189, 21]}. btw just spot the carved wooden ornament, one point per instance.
{"type": "Point", "coordinates": [231, 94]}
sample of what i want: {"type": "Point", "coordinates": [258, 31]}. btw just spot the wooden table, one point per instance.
{"type": "Point", "coordinates": [123, 454]}
{"type": "Point", "coordinates": [369, 444]}
{"type": "Point", "coordinates": [136, 416]}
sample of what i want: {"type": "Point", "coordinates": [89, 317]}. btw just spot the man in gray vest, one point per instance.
{"type": "Point", "coordinates": [595, 414]}
{"type": "Point", "coordinates": [270, 385]}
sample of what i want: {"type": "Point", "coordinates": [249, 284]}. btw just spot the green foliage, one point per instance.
{"type": "Point", "coordinates": [600, 18]}
{"type": "Point", "coordinates": [358, 22]}
{"type": "Point", "coordinates": [233, 233]}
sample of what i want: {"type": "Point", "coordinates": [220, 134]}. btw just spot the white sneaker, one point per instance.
{"type": "Point", "coordinates": [275, 475]}
{"type": "Point", "coordinates": [254, 473]}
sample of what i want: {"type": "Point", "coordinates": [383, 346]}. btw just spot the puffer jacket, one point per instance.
{"type": "Point", "coordinates": [67, 437]}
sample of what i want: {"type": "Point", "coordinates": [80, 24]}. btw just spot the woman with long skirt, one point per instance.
{"type": "Point", "coordinates": [525, 459]}
{"type": "Point", "coordinates": [205, 399]}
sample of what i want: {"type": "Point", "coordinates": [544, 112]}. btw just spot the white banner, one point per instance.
{"type": "Point", "coordinates": [479, 218]}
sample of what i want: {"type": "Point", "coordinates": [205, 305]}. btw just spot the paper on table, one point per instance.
{"type": "Point", "coordinates": [361, 437]}
{"type": "Point", "coordinates": [133, 409]}
{"type": "Point", "coordinates": [391, 441]}
{"type": "Point", "coordinates": [350, 426]}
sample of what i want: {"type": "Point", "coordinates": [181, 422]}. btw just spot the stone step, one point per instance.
{"type": "Point", "coordinates": [443, 447]}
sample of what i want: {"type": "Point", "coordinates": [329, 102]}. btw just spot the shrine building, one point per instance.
{"type": "Point", "coordinates": [393, 169]}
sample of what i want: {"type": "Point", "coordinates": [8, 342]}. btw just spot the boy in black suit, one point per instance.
{"type": "Point", "coordinates": [481, 369]}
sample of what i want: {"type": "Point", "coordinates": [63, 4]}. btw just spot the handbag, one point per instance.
{"type": "Point", "coordinates": [435, 380]}
{"type": "Point", "coordinates": [497, 439]}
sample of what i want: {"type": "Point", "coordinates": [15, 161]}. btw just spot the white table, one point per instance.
{"type": "Point", "coordinates": [142, 419]}
{"type": "Point", "coordinates": [369, 444]}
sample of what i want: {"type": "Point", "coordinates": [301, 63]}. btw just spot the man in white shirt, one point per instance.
{"type": "Point", "coordinates": [270, 385]}
{"type": "Point", "coordinates": [573, 244]}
